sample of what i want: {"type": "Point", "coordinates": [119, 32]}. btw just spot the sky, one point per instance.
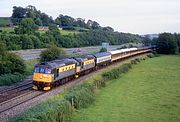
{"type": "Point", "coordinates": [130, 16]}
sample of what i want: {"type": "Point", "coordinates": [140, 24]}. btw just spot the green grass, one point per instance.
{"type": "Point", "coordinates": [150, 92]}
{"type": "Point", "coordinates": [30, 65]}
{"type": "Point", "coordinates": [66, 32]}
{"type": "Point", "coordinates": [63, 32]}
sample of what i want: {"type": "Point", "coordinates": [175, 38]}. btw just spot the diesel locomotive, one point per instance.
{"type": "Point", "coordinates": [54, 73]}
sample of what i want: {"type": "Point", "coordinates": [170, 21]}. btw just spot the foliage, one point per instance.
{"type": "Point", "coordinates": [30, 12]}
{"type": "Point", "coordinates": [177, 36]}
{"type": "Point", "coordinates": [167, 44]}
{"type": "Point", "coordinates": [9, 79]}
{"type": "Point", "coordinates": [12, 67]}
{"type": "Point", "coordinates": [11, 63]}
{"type": "Point", "coordinates": [52, 53]}
{"type": "Point", "coordinates": [103, 50]}
{"type": "Point", "coordinates": [116, 72]}
{"type": "Point", "coordinates": [27, 26]}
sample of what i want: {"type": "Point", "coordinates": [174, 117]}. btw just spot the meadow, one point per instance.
{"type": "Point", "coordinates": [149, 92]}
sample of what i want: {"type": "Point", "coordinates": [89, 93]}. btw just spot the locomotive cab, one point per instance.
{"type": "Point", "coordinates": [42, 77]}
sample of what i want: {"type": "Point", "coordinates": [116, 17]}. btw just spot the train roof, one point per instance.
{"type": "Point", "coordinates": [122, 50]}
{"type": "Point", "coordinates": [57, 63]}
{"type": "Point", "coordinates": [84, 58]}
{"type": "Point", "coordinates": [102, 54]}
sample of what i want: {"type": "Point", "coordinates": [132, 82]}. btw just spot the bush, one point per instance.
{"type": "Point", "coordinates": [11, 63]}
{"type": "Point", "coordinates": [8, 79]}
{"type": "Point", "coordinates": [116, 72]}
{"type": "Point", "coordinates": [52, 53]}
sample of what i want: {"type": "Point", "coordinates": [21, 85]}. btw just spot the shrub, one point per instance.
{"type": "Point", "coordinates": [8, 79]}
{"type": "Point", "coordinates": [116, 72]}
{"type": "Point", "coordinates": [52, 53]}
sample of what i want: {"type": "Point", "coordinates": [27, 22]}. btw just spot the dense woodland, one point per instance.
{"type": "Point", "coordinates": [90, 33]}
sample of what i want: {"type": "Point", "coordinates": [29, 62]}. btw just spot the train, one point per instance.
{"type": "Point", "coordinates": [48, 75]}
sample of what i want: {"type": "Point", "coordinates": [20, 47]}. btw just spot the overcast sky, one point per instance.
{"type": "Point", "coordinates": [133, 16]}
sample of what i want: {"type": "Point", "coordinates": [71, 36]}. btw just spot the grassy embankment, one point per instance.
{"type": "Point", "coordinates": [150, 92]}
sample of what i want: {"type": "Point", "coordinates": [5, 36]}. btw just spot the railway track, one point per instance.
{"type": "Point", "coordinates": [12, 92]}
{"type": "Point", "coordinates": [11, 103]}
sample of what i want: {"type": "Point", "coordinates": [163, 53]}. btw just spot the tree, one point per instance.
{"type": "Point", "coordinates": [66, 20]}
{"type": "Point", "coordinates": [27, 26]}
{"type": "Point", "coordinates": [35, 40]}
{"type": "Point", "coordinates": [108, 28]}
{"type": "Point", "coordinates": [103, 50]}
{"type": "Point", "coordinates": [167, 44]}
{"type": "Point", "coordinates": [51, 53]}
{"type": "Point", "coordinates": [38, 22]}
{"type": "Point", "coordinates": [11, 63]}
{"type": "Point", "coordinates": [177, 36]}
{"type": "Point", "coordinates": [27, 43]}
{"type": "Point", "coordinates": [18, 14]}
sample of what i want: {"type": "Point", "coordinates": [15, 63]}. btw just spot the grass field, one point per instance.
{"type": "Point", "coordinates": [150, 92]}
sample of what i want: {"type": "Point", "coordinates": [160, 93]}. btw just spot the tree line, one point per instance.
{"type": "Point", "coordinates": [42, 19]}
{"type": "Point", "coordinates": [168, 43]}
